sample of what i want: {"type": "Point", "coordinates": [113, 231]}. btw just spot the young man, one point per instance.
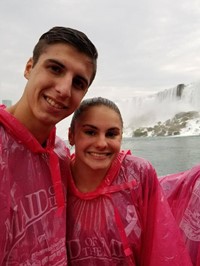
{"type": "Point", "coordinates": [32, 194]}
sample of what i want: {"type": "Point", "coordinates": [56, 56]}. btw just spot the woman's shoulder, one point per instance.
{"type": "Point", "coordinates": [138, 168]}
{"type": "Point", "coordinates": [131, 160]}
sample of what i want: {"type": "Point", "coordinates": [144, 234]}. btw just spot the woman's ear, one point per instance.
{"type": "Point", "coordinates": [70, 137]}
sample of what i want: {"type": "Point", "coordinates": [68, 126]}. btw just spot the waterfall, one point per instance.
{"type": "Point", "coordinates": [145, 111]}
{"type": "Point", "coordinates": [148, 110]}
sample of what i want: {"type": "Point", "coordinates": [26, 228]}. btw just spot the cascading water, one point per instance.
{"type": "Point", "coordinates": [149, 110]}
{"type": "Point", "coordinates": [146, 111]}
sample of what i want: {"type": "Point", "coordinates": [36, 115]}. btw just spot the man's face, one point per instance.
{"type": "Point", "coordinates": [56, 85]}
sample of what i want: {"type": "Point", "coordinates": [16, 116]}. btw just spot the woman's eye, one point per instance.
{"type": "Point", "coordinates": [90, 132]}
{"type": "Point", "coordinates": [112, 134]}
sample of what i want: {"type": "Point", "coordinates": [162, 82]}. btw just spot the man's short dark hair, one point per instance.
{"type": "Point", "coordinates": [73, 37]}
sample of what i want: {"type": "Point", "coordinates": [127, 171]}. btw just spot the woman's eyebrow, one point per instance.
{"type": "Point", "coordinates": [89, 125]}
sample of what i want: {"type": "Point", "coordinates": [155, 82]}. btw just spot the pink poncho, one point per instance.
{"type": "Point", "coordinates": [183, 193]}
{"type": "Point", "coordinates": [125, 221]}
{"type": "Point", "coordinates": [32, 197]}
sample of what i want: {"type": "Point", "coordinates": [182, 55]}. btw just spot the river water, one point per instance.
{"type": "Point", "coordinates": [167, 154]}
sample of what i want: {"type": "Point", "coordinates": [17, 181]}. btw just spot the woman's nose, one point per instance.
{"type": "Point", "coordinates": [101, 141]}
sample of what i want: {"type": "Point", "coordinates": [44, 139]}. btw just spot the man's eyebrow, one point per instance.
{"type": "Point", "coordinates": [63, 66]}
{"type": "Point", "coordinates": [55, 62]}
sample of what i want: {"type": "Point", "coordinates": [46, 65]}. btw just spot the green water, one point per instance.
{"type": "Point", "coordinates": [167, 154]}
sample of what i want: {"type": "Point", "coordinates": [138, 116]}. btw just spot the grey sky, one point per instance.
{"type": "Point", "coordinates": [144, 46]}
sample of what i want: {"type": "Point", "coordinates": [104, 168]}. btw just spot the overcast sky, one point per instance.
{"type": "Point", "coordinates": [144, 46]}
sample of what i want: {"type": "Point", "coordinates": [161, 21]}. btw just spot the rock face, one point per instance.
{"type": "Point", "coordinates": [171, 127]}
{"type": "Point", "coordinates": [179, 90]}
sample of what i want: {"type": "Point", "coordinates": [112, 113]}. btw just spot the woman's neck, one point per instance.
{"type": "Point", "coordinates": [87, 180]}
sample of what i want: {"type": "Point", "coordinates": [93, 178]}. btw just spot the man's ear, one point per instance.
{"type": "Point", "coordinates": [28, 68]}
{"type": "Point", "coordinates": [70, 137]}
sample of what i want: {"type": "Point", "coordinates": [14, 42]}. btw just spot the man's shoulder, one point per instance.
{"type": "Point", "coordinates": [3, 131]}
{"type": "Point", "coordinates": [61, 148]}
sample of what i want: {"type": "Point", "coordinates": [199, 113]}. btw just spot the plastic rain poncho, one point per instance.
{"type": "Point", "coordinates": [32, 201]}
{"type": "Point", "coordinates": [125, 221]}
{"type": "Point", "coordinates": [183, 193]}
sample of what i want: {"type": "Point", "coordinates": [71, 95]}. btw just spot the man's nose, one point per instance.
{"type": "Point", "coordinates": [64, 87]}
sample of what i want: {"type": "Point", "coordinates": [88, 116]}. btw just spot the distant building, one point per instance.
{"type": "Point", "coordinates": [7, 102]}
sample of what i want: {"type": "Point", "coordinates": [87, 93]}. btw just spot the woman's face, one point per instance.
{"type": "Point", "coordinates": [97, 138]}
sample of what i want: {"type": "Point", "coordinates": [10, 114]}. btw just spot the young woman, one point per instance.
{"type": "Point", "coordinates": [117, 214]}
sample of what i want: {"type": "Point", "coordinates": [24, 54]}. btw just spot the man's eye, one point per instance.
{"type": "Point", "coordinates": [80, 84]}
{"type": "Point", "coordinates": [56, 69]}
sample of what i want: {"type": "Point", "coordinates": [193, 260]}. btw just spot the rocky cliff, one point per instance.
{"type": "Point", "coordinates": [171, 127]}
